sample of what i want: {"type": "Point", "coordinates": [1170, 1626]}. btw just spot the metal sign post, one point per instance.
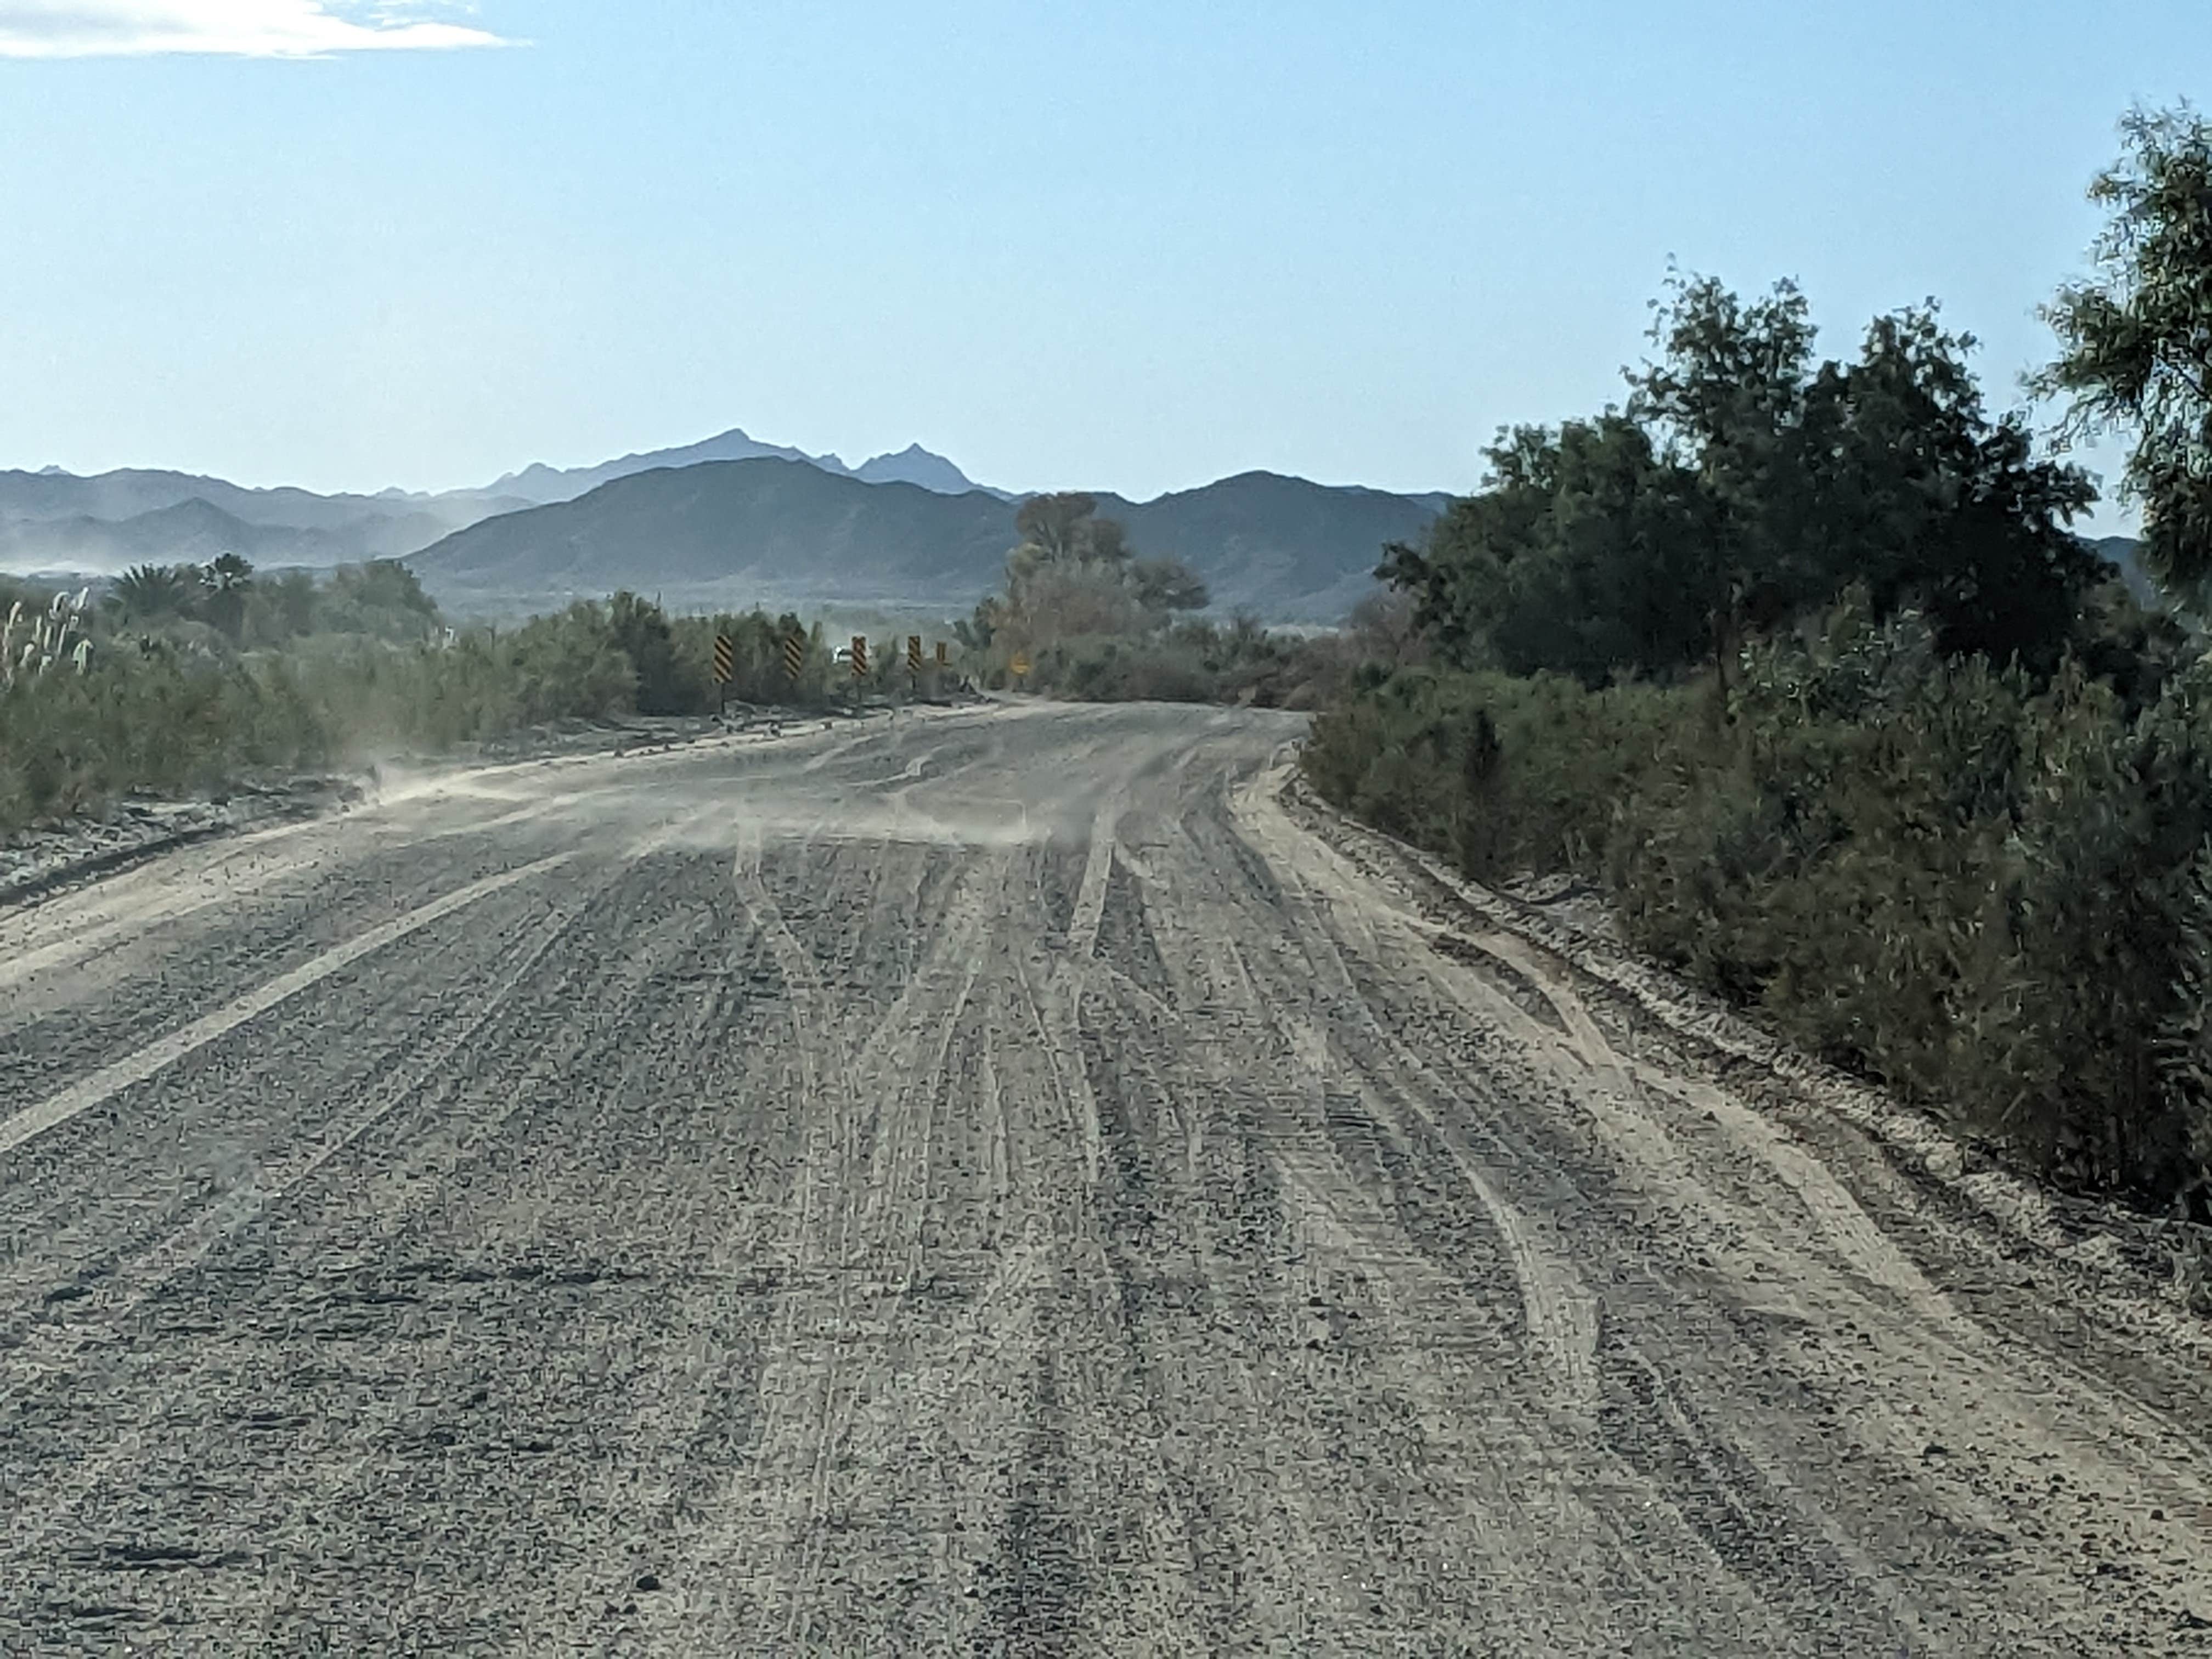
{"type": "Point", "coordinates": [724, 663]}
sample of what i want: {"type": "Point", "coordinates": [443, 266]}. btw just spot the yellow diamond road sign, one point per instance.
{"type": "Point", "coordinates": [1020, 664]}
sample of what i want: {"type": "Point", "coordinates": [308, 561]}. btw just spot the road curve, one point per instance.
{"type": "Point", "coordinates": [997, 1182]}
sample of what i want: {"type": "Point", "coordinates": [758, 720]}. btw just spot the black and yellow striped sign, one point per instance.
{"type": "Point", "coordinates": [859, 656]}
{"type": "Point", "coordinates": [794, 656]}
{"type": "Point", "coordinates": [914, 652]}
{"type": "Point", "coordinates": [725, 659]}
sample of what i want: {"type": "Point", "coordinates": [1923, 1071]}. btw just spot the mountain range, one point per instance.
{"type": "Point", "coordinates": [913, 465]}
{"type": "Point", "coordinates": [57, 519]}
{"type": "Point", "coordinates": [728, 521]}
{"type": "Point", "coordinates": [778, 531]}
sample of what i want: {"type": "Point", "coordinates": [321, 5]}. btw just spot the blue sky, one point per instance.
{"type": "Point", "coordinates": [1136, 246]}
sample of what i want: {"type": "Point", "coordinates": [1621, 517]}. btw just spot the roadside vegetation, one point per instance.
{"type": "Point", "coordinates": [190, 679]}
{"type": "Point", "coordinates": [1798, 660]}
{"type": "Point", "coordinates": [1094, 619]}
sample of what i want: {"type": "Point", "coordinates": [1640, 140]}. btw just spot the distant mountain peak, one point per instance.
{"type": "Point", "coordinates": [915, 465]}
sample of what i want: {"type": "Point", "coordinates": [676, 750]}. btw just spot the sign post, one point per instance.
{"type": "Point", "coordinates": [913, 661]}
{"type": "Point", "coordinates": [794, 657]}
{"type": "Point", "coordinates": [724, 663]}
{"type": "Point", "coordinates": [859, 665]}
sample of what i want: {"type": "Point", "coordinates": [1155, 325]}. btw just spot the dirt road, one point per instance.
{"type": "Point", "coordinates": [1003, 1182]}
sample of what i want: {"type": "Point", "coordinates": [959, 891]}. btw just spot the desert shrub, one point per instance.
{"type": "Point", "coordinates": [161, 719]}
{"type": "Point", "coordinates": [1993, 894]}
{"type": "Point", "coordinates": [167, 701]}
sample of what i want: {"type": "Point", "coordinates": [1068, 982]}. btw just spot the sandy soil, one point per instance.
{"type": "Point", "coordinates": [1013, 1180]}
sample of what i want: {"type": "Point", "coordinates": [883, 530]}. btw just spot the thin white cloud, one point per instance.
{"type": "Point", "coordinates": [239, 28]}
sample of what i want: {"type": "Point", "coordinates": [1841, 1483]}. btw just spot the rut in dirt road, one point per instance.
{"type": "Point", "coordinates": [1008, 1181]}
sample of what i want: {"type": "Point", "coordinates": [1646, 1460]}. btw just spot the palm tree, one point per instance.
{"type": "Point", "coordinates": [152, 592]}
{"type": "Point", "coordinates": [226, 578]}
{"type": "Point", "coordinates": [228, 571]}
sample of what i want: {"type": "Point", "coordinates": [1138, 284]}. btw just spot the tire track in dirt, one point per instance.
{"type": "Point", "coordinates": [59, 1342]}
{"type": "Point", "coordinates": [1441, 1336]}
{"type": "Point", "coordinates": [1580, 1349]}
{"type": "Point", "coordinates": [1560, 1311]}
{"type": "Point", "coordinates": [873, 1177]}
{"type": "Point", "coordinates": [1231, 1034]}
{"type": "Point", "coordinates": [1849, 1265]}
{"type": "Point", "coordinates": [121, 1290]}
{"type": "Point", "coordinates": [112, 1079]}
{"type": "Point", "coordinates": [886, 1226]}
{"type": "Point", "coordinates": [115, 1437]}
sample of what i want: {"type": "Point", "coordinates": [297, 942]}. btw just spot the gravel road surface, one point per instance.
{"type": "Point", "coordinates": [1002, 1181]}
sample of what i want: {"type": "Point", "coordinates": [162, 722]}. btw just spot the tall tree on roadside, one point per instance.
{"type": "Point", "coordinates": [381, 597]}
{"type": "Point", "coordinates": [2137, 339]}
{"type": "Point", "coordinates": [1743, 487]}
{"type": "Point", "coordinates": [1726, 400]}
{"type": "Point", "coordinates": [1935, 506]}
{"type": "Point", "coordinates": [1585, 553]}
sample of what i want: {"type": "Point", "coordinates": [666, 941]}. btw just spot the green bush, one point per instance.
{"type": "Point", "coordinates": [168, 701]}
{"type": "Point", "coordinates": [1994, 897]}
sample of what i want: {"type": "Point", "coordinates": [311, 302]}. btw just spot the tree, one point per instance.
{"type": "Point", "coordinates": [2137, 339]}
{"type": "Point", "coordinates": [1913, 490]}
{"type": "Point", "coordinates": [1586, 552]}
{"type": "Point", "coordinates": [226, 581]}
{"type": "Point", "coordinates": [281, 608]}
{"type": "Point", "coordinates": [155, 592]}
{"type": "Point", "coordinates": [1727, 399]}
{"type": "Point", "coordinates": [640, 630]}
{"type": "Point", "coordinates": [380, 598]}
{"type": "Point", "coordinates": [1167, 585]}
{"type": "Point", "coordinates": [1057, 525]}
{"type": "Point", "coordinates": [976, 630]}
{"type": "Point", "coordinates": [1743, 488]}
